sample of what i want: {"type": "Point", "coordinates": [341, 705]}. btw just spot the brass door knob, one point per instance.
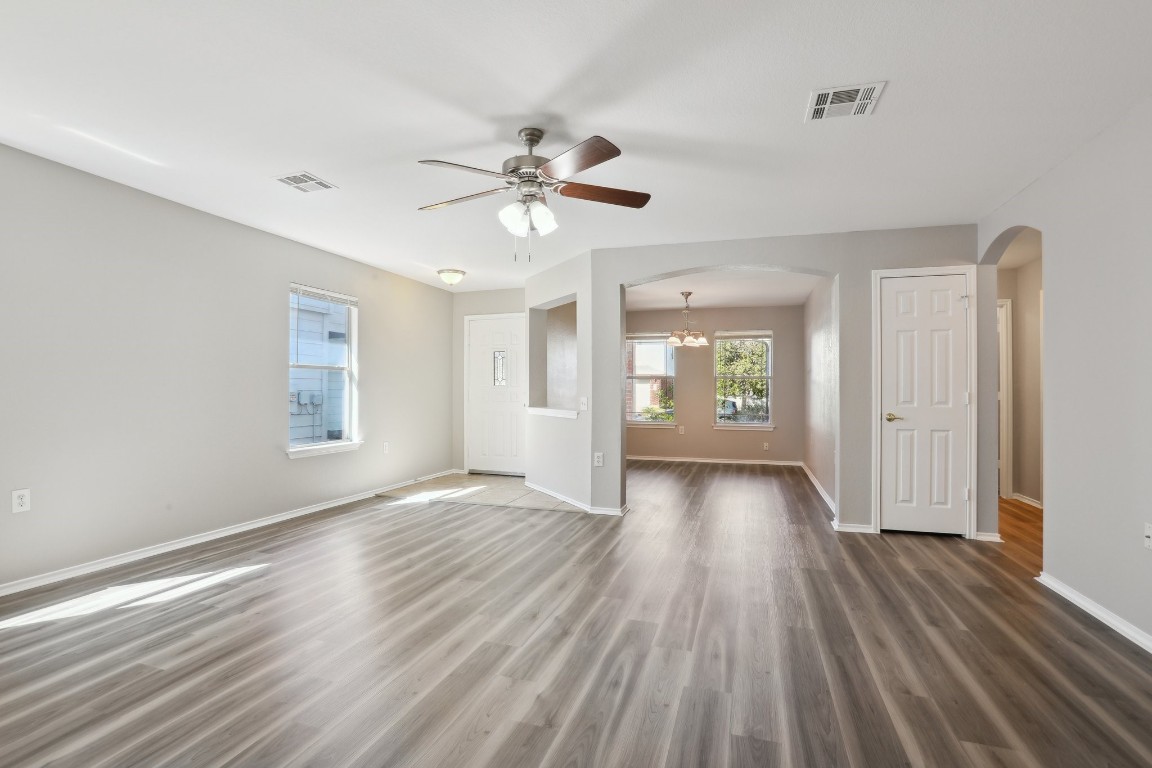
{"type": "Point", "coordinates": [890, 417]}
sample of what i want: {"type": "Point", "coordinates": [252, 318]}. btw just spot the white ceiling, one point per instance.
{"type": "Point", "coordinates": [205, 103]}
{"type": "Point", "coordinates": [715, 289]}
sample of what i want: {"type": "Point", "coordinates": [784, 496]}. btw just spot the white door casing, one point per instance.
{"type": "Point", "coordinates": [496, 388]}
{"type": "Point", "coordinates": [924, 404]}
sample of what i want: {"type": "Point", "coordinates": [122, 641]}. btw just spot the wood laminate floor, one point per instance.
{"type": "Point", "coordinates": [1022, 528]}
{"type": "Point", "coordinates": [721, 623]}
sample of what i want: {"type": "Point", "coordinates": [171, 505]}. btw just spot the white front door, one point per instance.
{"type": "Point", "coordinates": [924, 404]}
{"type": "Point", "coordinates": [496, 390]}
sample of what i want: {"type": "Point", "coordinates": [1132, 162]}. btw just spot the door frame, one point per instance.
{"type": "Point", "coordinates": [1004, 339]}
{"type": "Point", "coordinates": [468, 349]}
{"type": "Point", "coordinates": [969, 274]}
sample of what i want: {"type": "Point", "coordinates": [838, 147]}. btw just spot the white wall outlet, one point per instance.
{"type": "Point", "coordinates": [386, 446]}
{"type": "Point", "coordinates": [598, 459]}
{"type": "Point", "coordinates": [583, 403]}
{"type": "Point", "coordinates": [1147, 535]}
{"type": "Point", "coordinates": [766, 445]}
{"type": "Point", "coordinates": [680, 429]}
{"type": "Point", "coordinates": [22, 501]}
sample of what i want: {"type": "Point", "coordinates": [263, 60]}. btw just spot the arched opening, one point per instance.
{"type": "Point", "coordinates": [1018, 256]}
{"type": "Point", "coordinates": [762, 389]}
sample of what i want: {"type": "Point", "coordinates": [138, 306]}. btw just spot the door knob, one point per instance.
{"type": "Point", "coordinates": [890, 417]}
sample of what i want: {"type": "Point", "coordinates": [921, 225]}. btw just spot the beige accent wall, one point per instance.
{"type": "Point", "coordinates": [560, 328]}
{"type": "Point", "coordinates": [695, 389]}
{"type": "Point", "coordinates": [822, 382]}
{"type": "Point", "coordinates": [145, 371]}
{"type": "Point", "coordinates": [1024, 288]}
{"type": "Point", "coordinates": [1027, 382]}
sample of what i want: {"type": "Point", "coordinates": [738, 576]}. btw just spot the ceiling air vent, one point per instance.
{"type": "Point", "coordinates": [306, 182]}
{"type": "Point", "coordinates": [844, 101]}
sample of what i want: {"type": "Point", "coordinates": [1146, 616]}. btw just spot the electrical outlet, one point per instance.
{"type": "Point", "coordinates": [386, 446]}
{"type": "Point", "coordinates": [680, 430]}
{"type": "Point", "coordinates": [22, 501]}
{"type": "Point", "coordinates": [598, 459]}
{"type": "Point", "coordinates": [765, 446]}
{"type": "Point", "coordinates": [1147, 535]}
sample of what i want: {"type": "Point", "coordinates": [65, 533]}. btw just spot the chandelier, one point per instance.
{"type": "Point", "coordinates": [687, 338]}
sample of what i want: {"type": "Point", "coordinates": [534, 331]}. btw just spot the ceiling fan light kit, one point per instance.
{"type": "Point", "coordinates": [686, 338]}
{"type": "Point", "coordinates": [530, 176]}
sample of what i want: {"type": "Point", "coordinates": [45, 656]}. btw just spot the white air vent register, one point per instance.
{"type": "Point", "coordinates": [843, 101]}
{"type": "Point", "coordinates": [306, 182]}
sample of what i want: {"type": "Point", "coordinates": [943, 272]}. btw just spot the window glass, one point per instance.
{"type": "Point", "coordinates": [743, 379]}
{"type": "Point", "coordinates": [650, 369]}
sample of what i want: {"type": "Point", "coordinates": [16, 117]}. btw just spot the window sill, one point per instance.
{"type": "Point", "coordinates": [304, 451]}
{"type": "Point", "coordinates": [652, 424]}
{"type": "Point", "coordinates": [746, 427]}
{"type": "Point", "coordinates": [559, 413]}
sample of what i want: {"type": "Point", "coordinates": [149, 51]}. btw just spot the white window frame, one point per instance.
{"type": "Point", "coordinates": [720, 336]}
{"type": "Point", "coordinates": [628, 378]}
{"type": "Point", "coordinates": [351, 440]}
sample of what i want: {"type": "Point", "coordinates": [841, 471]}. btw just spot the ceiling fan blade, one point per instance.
{"type": "Point", "coordinates": [581, 157]}
{"type": "Point", "coordinates": [596, 194]}
{"type": "Point", "coordinates": [476, 196]}
{"type": "Point", "coordinates": [470, 169]}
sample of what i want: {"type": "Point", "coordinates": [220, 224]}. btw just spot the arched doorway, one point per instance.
{"type": "Point", "coordinates": [785, 322]}
{"type": "Point", "coordinates": [1017, 255]}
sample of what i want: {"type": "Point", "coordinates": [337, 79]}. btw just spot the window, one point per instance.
{"type": "Point", "coordinates": [651, 372]}
{"type": "Point", "coordinates": [743, 378]}
{"type": "Point", "coordinates": [321, 371]}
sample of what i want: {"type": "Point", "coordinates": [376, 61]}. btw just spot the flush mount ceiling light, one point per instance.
{"type": "Point", "coordinates": [529, 176]}
{"type": "Point", "coordinates": [687, 338]}
{"type": "Point", "coordinates": [451, 276]}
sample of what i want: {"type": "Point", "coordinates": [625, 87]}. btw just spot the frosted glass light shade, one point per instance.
{"type": "Point", "coordinates": [514, 217]}
{"type": "Point", "coordinates": [689, 341]}
{"type": "Point", "coordinates": [542, 217]}
{"type": "Point", "coordinates": [702, 341]}
{"type": "Point", "coordinates": [451, 276]}
{"type": "Point", "coordinates": [674, 341]}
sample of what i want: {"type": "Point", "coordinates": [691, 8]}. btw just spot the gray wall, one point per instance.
{"type": "Point", "coordinates": [464, 304]}
{"type": "Point", "coordinates": [822, 362]}
{"type": "Point", "coordinates": [852, 256]}
{"type": "Point", "coordinates": [144, 349]}
{"type": "Point", "coordinates": [1093, 212]}
{"type": "Point", "coordinates": [1024, 287]}
{"type": "Point", "coordinates": [695, 393]}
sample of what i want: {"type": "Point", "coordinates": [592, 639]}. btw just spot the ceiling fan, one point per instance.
{"type": "Point", "coordinates": [529, 176]}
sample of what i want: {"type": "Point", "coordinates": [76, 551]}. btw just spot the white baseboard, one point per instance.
{"type": "Point", "coordinates": [840, 527]}
{"type": "Point", "coordinates": [1130, 631]}
{"type": "Point", "coordinates": [719, 461]}
{"type": "Point", "coordinates": [820, 489]}
{"type": "Point", "coordinates": [613, 511]}
{"type": "Point", "coordinates": [564, 498]}
{"type": "Point", "coordinates": [32, 582]}
{"type": "Point", "coordinates": [1027, 500]}
{"type": "Point", "coordinates": [989, 536]}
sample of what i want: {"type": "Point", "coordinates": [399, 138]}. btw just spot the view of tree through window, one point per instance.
{"type": "Point", "coordinates": [743, 378]}
{"type": "Point", "coordinates": [651, 372]}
